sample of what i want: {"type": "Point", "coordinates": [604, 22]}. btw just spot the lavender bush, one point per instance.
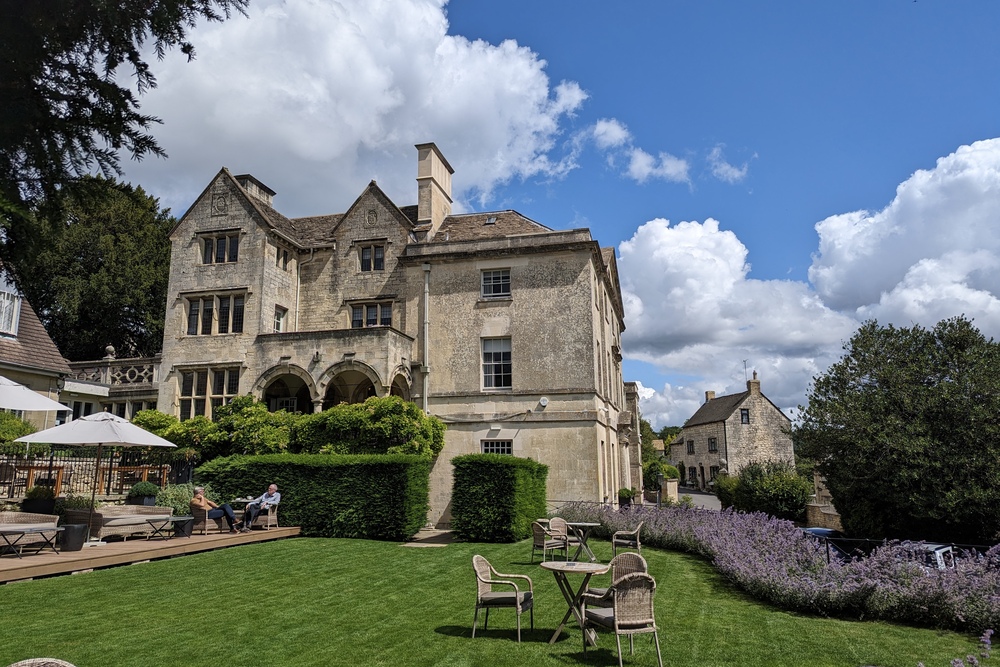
{"type": "Point", "coordinates": [773, 561]}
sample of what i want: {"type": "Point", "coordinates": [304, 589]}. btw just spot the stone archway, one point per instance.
{"type": "Point", "coordinates": [350, 382]}
{"type": "Point", "coordinates": [286, 388]}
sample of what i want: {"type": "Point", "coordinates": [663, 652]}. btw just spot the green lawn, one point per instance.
{"type": "Point", "coordinates": [354, 602]}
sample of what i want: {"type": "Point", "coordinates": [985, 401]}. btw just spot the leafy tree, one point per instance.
{"type": "Point", "coordinates": [11, 428]}
{"type": "Point", "coordinates": [668, 434]}
{"type": "Point", "coordinates": [63, 110]}
{"type": "Point", "coordinates": [244, 426]}
{"type": "Point", "coordinates": [647, 434]}
{"type": "Point", "coordinates": [772, 487]}
{"type": "Point", "coordinates": [906, 430]}
{"type": "Point", "coordinates": [651, 469]}
{"type": "Point", "coordinates": [100, 276]}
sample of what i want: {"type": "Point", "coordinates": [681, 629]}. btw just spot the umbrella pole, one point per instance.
{"type": "Point", "coordinates": [93, 491]}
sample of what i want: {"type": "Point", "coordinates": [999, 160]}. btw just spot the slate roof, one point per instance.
{"type": "Point", "coordinates": [488, 225]}
{"type": "Point", "coordinates": [716, 410]}
{"type": "Point", "coordinates": [32, 348]}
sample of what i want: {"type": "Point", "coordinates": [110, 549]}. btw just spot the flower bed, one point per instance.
{"type": "Point", "coordinates": [773, 561]}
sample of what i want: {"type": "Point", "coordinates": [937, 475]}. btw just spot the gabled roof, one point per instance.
{"type": "Point", "coordinates": [716, 410]}
{"type": "Point", "coordinates": [32, 348]}
{"type": "Point", "coordinates": [489, 225]}
{"type": "Point", "coordinates": [375, 191]}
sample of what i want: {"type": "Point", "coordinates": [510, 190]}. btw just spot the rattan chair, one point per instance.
{"type": "Point", "coordinates": [543, 539]}
{"type": "Point", "coordinates": [559, 528]}
{"type": "Point", "coordinates": [626, 539]}
{"type": "Point", "coordinates": [630, 612]}
{"type": "Point", "coordinates": [486, 598]}
{"type": "Point", "coordinates": [41, 662]}
{"type": "Point", "coordinates": [622, 565]}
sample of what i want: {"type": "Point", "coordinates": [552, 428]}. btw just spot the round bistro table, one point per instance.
{"type": "Point", "coordinates": [561, 570]}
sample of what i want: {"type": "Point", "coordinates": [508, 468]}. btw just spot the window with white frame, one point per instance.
{"type": "Point", "coordinates": [497, 446]}
{"type": "Point", "coordinates": [202, 319]}
{"type": "Point", "coordinates": [744, 416]}
{"type": "Point", "coordinates": [365, 315]}
{"type": "Point", "coordinates": [496, 363]}
{"type": "Point", "coordinates": [372, 257]}
{"type": "Point", "coordinates": [495, 283]}
{"type": "Point", "coordinates": [220, 248]}
{"type": "Point", "coordinates": [205, 389]}
{"type": "Point", "coordinates": [10, 308]}
{"type": "Point", "coordinates": [280, 319]}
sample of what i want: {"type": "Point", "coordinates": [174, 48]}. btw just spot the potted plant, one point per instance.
{"type": "Point", "coordinates": [625, 497]}
{"type": "Point", "coordinates": [39, 500]}
{"type": "Point", "coordinates": [142, 493]}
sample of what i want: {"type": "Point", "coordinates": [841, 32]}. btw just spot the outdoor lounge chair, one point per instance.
{"type": "Point", "coordinates": [630, 612]}
{"type": "Point", "coordinates": [622, 565]}
{"type": "Point", "coordinates": [626, 539]}
{"type": "Point", "coordinates": [543, 539]}
{"type": "Point", "coordinates": [487, 598]}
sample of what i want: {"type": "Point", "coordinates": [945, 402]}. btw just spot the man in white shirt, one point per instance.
{"type": "Point", "coordinates": [258, 505]}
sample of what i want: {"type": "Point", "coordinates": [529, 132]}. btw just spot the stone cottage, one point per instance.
{"type": "Point", "coordinates": [727, 432]}
{"type": "Point", "coordinates": [507, 330]}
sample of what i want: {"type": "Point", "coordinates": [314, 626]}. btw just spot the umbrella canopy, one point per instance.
{"type": "Point", "coordinates": [14, 396]}
{"type": "Point", "coordinates": [100, 428]}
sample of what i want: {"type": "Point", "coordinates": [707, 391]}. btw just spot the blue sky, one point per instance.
{"type": "Point", "coordinates": [771, 174]}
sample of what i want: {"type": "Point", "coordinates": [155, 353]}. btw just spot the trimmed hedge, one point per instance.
{"type": "Point", "coordinates": [382, 497]}
{"type": "Point", "coordinates": [495, 497]}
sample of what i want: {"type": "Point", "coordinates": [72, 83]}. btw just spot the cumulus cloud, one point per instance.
{"type": "Point", "coordinates": [642, 166]}
{"type": "Point", "coordinates": [693, 311]}
{"type": "Point", "coordinates": [609, 133]}
{"type": "Point", "coordinates": [723, 170]}
{"type": "Point", "coordinates": [316, 97]}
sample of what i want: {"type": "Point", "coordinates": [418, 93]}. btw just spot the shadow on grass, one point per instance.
{"type": "Point", "coordinates": [536, 636]}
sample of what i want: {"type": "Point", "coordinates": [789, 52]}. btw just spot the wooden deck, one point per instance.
{"type": "Point", "coordinates": [135, 550]}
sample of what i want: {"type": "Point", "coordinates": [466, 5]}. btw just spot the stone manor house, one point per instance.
{"type": "Point", "coordinates": [507, 330]}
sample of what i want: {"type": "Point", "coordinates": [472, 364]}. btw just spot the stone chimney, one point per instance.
{"type": "Point", "coordinates": [753, 386]}
{"type": "Point", "coordinates": [433, 188]}
{"type": "Point", "coordinates": [709, 395]}
{"type": "Point", "coordinates": [256, 189]}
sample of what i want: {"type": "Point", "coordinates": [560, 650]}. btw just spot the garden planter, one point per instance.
{"type": "Point", "coordinates": [183, 528]}
{"type": "Point", "coordinates": [141, 500]}
{"type": "Point", "coordinates": [72, 537]}
{"type": "Point", "coordinates": [39, 505]}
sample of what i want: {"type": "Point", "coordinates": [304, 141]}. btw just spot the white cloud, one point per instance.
{"type": "Point", "coordinates": [724, 171]}
{"type": "Point", "coordinates": [316, 97]}
{"type": "Point", "coordinates": [643, 166]}
{"type": "Point", "coordinates": [609, 133]}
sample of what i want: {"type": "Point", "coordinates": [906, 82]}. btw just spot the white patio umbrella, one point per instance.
{"type": "Point", "coordinates": [97, 430]}
{"type": "Point", "coordinates": [14, 396]}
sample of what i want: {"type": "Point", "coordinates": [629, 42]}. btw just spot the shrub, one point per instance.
{"type": "Point", "coordinates": [495, 497]}
{"type": "Point", "coordinates": [377, 497]}
{"type": "Point", "coordinates": [650, 469]}
{"type": "Point", "coordinates": [725, 489]}
{"type": "Point", "coordinates": [40, 493]}
{"type": "Point", "coordinates": [11, 428]}
{"type": "Point", "coordinates": [72, 502]}
{"type": "Point", "coordinates": [179, 497]}
{"type": "Point", "coordinates": [387, 425]}
{"type": "Point", "coordinates": [772, 560]}
{"type": "Point", "coordinates": [773, 487]}
{"type": "Point", "coordinates": [143, 489]}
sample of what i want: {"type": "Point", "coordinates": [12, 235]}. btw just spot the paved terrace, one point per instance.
{"type": "Point", "coordinates": [135, 550]}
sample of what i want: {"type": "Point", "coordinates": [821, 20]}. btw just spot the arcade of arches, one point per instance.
{"type": "Point", "coordinates": [290, 392]}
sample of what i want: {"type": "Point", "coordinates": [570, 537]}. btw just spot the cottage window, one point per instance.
{"type": "Point", "coordinates": [713, 472]}
{"type": "Point", "coordinates": [497, 446]}
{"type": "Point", "coordinates": [496, 363]}
{"type": "Point", "coordinates": [10, 308]}
{"type": "Point", "coordinates": [744, 416]}
{"type": "Point", "coordinates": [280, 315]}
{"type": "Point", "coordinates": [201, 397]}
{"type": "Point", "coordinates": [713, 445]}
{"type": "Point", "coordinates": [496, 283]}
{"type": "Point", "coordinates": [372, 257]}
{"type": "Point", "coordinates": [220, 249]}
{"type": "Point", "coordinates": [690, 446]}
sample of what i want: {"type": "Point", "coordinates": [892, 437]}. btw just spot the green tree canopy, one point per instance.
{"type": "Point", "coordinates": [906, 430]}
{"type": "Point", "coordinates": [98, 277]}
{"type": "Point", "coordinates": [649, 452]}
{"type": "Point", "coordinates": [63, 111]}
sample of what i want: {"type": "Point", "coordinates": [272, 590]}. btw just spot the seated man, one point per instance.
{"type": "Point", "coordinates": [200, 502]}
{"type": "Point", "coordinates": [255, 507]}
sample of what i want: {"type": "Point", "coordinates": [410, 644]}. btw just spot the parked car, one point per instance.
{"type": "Point", "coordinates": [829, 538]}
{"type": "Point", "coordinates": [936, 556]}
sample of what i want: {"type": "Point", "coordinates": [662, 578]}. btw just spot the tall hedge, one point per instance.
{"type": "Point", "coordinates": [495, 497]}
{"type": "Point", "coordinates": [377, 497]}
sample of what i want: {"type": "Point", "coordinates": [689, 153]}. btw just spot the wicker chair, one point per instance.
{"type": "Point", "coordinates": [486, 597]}
{"type": "Point", "coordinates": [559, 528]}
{"type": "Point", "coordinates": [543, 539]}
{"type": "Point", "coordinates": [202, 523]}
{"type": "Point", "coordinates": [630, 612]}
{"type": "Point", "coordinates": [622, 565]}
{"type": "Point", "coordinates": [626, 539]}
{"type": "Point", "coordinates": [267, 519]}
{"type": "Point", "coordinates": [41, 662]}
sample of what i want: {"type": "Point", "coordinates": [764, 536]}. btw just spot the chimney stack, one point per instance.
{"type": "Point", "coordinates": [433, 188]}
{"type": "Point", "coordinates": [709, 395]}
{"type": "Point", "coordinates": [753, 386]}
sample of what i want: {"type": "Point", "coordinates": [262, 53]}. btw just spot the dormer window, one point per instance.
{"type": "Point", "coordinates": [372, 257]}
{"type": "Point", "coordinates": [10, 307]}
{"type": "Point", "coordinates": [220, 248]}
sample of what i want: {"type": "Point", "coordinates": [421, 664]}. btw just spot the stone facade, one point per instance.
{"type": "Point", "coordinates": [730, 431]}
{"type": "Point", "coordinates": [505, 329]}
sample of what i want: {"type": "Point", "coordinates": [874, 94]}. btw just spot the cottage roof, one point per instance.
{"type": "Point", "coordinates": [32, 348]}
{"type": "Point", "coordinates": [716, 410]}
